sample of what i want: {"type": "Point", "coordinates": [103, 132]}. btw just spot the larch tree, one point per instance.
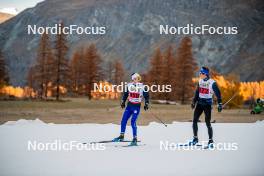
{"type": "Point", "coordinates": [168, 73]}
{"type": "Point", "coordinates": [109, 71]}
{"type": "Point", "coordinates": [31, 83]}
{"type": "Point", "coordinates": [76, 71]}
{"type": "Point", "coordinates": [155, 76]}
{"type": "Point", "coordinates": [50, 67]}
{"type": "Point", "coordinates": [92, 67]}
{"type": "Point", "coordinates": [43, 67]}
{"type": "Point", "coordinates": [62, 69]}
{"type": "Point", "coordinates": [119, 72]}
{"type": "Point", "coordinates": [185, 68]}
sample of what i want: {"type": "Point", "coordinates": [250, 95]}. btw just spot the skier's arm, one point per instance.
{"type": "Point", "coordinates": [125, 95]}
{"type": "Point", "coordinates": [124, 98]}
{"type": "Point", "coordinates": [146, 96]}
{"type": "Point", "coordinates": [217, 92]}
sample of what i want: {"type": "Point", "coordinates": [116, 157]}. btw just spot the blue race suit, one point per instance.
{"type": "Point", "coordinates": [132, 109]}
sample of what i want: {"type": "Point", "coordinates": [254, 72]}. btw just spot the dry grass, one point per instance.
{"type": "Point", "coordinates": [80, 110]}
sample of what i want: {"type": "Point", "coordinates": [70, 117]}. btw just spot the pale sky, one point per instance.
{"type": "Point", "coordinates": [20, 5]}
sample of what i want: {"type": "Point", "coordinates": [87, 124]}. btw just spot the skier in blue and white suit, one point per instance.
{"type": "Point", "coordinates": [134, 93]}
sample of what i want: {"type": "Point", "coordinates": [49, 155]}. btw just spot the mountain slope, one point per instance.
{"type": "Point", "coordinates": [133, 32]}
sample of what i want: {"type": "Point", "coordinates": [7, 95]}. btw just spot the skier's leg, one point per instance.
{"type": "Point", "coordinates": [125, 118]}
{"type": "Point", "coordinates": [135, 114]}
{"type": "Point", "coordinates": [197, 113]}
{"type": "Point", "coordinates": [207, 112]}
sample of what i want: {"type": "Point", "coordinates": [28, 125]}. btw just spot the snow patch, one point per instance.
{"type": "Point", "coordinates": [25, 122]}
{"type": "Point", "coordinates": [9, 10]}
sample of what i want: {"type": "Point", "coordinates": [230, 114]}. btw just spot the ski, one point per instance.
{"type": "Point", "coordinates": [108, 141]}
{"type": "Point", "coordinates": [208, 147]}
{"type": "Point", "coordinates": [214, 121]}
{"type": "Point", "coordinates": [204, 147]}
{"type": "Point", "coordinates": [196, 145]}
{"type": "Point", "coordinates": [138, 145]}
{"type": "Point", "coordinates": [189, 144]}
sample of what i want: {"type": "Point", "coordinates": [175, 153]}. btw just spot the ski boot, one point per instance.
{"type": "Point", "coordinates": [210, 144]}
{"type": "Point", "coordinates": [119, 138]}
{"type": "Point", "coordinates": [134, 142]}
{"type": "Point", "coordinates": [194, 141]}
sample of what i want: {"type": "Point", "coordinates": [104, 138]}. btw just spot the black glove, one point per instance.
{"type": "Point", "coordinates": [146, 106]}
{"type": "Point", "coordinates": [193, 105]}
{"type": "Point", "coordinates": [123, 105]}
{"type": "Point", "coordinates": [219, 107]}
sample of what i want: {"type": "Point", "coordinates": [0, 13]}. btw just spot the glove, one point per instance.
{"type": "Point", "coordinates": [146, 107]}
{"type": "Point", "coordinates": [193, 105]}
{"type": "Point", "coordinates": [219, 107]}
{"type": "Point", "coordinates": [123, 105]}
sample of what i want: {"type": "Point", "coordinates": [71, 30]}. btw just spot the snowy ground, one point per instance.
{"type": "Point", "coordinates": [16, 159]}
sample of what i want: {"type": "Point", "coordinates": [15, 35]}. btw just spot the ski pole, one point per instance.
{"type": "Point", "coordinates": [154, 115]}
{"type": "Point", "coordinates": [229, 100]}
{"type": "Point", "coordinates": [111, 109]}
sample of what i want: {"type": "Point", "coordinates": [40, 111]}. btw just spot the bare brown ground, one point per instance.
{"type": "Point", "coordinates": [80, 110]}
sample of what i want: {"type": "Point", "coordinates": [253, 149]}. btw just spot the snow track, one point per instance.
{"type": "Point", "coordinates": [16, 159]}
